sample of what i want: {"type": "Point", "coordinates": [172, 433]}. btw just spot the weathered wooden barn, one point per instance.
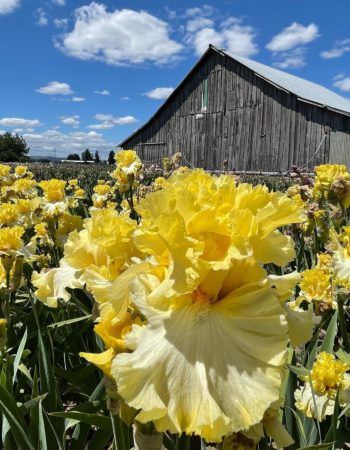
{"type": "Point", "coordinates": [253, 116]}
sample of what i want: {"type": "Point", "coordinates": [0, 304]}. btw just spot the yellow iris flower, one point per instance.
{"type": "Point", "coordinates": [10, 239]}
{"type": "Point", "coordinates": [327, 377]}
{"type": "Point", "coordinates": [216, 348]}
{"type": "Point", "coordinates": [25, 188]}
{"type": "Point", "coordinates": [9, 214]}
{"type": "Point", "coordinates": [332, 180]}
{"type": "Point", "coordinates": [96, 255]}
{"type": "Point", "coordinates": [4, 170]}
{"type": "Point", "coordinates": [53, 190]}
{"type": "Point", "coordinates": [21, 171]}
{"type": "Point", "coordinates": [215, 318]}
{"type": "Point", "coordinates": [128, 162]}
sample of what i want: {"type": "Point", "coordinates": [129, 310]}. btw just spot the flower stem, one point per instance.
{"type": "Point", "coordinates": [118, 440]}
{"type": "Point", "coordinates": [342, 325]}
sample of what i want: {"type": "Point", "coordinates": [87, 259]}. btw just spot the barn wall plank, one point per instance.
{"type": "Point", "coordinates": [249, 122]}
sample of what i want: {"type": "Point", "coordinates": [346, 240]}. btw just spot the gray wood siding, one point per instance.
{"type": "Point", "coordinates": [248, 121]}
{"type": "Point", "coordinates": [340, 141]}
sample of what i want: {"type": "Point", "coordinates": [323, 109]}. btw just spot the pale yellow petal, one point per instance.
{"type": "Point", "coordinates": [116, 292]}
{"type": "Point", "coordinates": [52, 285]}
{"type": "Point", "coordinates": [312, 404]}
{"type": "Point", "coordinates": [284, 284]}
{"type": "Point", "coordinates": [301, 324]}
{"type": "Point", "coordinates": [279, 434]}
{"type": "Point", "coordinates": [209, 365]}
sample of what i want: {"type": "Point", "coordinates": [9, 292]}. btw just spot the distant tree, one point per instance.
{"type": "Point", "coordinates": [86, 155]}
{"type": "Point", "coordinates": [73, 157]}
{"type": "Point", "coordinates": [111, 159]}
{"type": "Point", "coordinates": [97, 157]}
{"type": "Point", "coordinates": [13, 148]}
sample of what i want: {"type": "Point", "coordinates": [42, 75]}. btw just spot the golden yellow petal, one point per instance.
{"type": "Point", "coordinates": [101, 360]}
{"type": "Point", "coordinates": [80, 252]}
{"type": "Point", "coordinates": [274, 247]}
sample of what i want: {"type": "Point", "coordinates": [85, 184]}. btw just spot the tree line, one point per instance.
{"type": "Point", "coordinates": [87, 156]}
{"type": "Point", "coordinates": [13, 148]}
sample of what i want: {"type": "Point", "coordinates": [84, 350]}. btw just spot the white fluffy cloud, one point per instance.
{"type": "Point", "coordinates": [78, 99]}
{"type": "Point", "coordinates": [19, 122]}
{"type": "Point", "coordinates": [118, 37]}
{"type": "Point", "coordinates": [198, 23]}
{"type": "Point", "coordinates": [59, 2]}
{"type": "Point", "coordinates": [204, 11]}
{"type": "Point", "coordinates": [339, 48]}
{"type": "Point", "coordinates": [71, 120]}
{"type": "Point", "coordinates": [239, 39]}
{"type": "Point", "coordinates": [292, 59]}
{"type": "Point", "coordinates": [101, 126]}
{"type": "Point", "coordinates": [293, 36]}
{"type": "Point", "coordinates": [289, 46]}
{"type": "Point", "coordinates": [202, 38]}
{"type": "Point", "coordinates": [64, 143]}
{"type": "Point", "coordinates": [41, 18]}
{"type": "Point", "coordinates": [24, 130]}
{"type": "Point", "coordinates": [60, 23]}
{"type": "Point", "coordinates": [7, 6]}
{"type": "Point", "coordinates": [69, 99]}
{"type": "Point", "coordinates": [230, 34]}
{"type": "Point", "coordinates": [159, 93]}
{"type": "Point", "coordinates": [109, 121]}
{"type": "Point", "coordinates": [341, 82]}
{"type": "Point", "coordinates": [103, 92]}
{"type": "Point", "coordinates": [55, 88]}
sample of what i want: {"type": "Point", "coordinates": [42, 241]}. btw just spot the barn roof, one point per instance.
{"type": "Point", "coordinates": [305, 90]}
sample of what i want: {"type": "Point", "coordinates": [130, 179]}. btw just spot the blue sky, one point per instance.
{"type": "Point", "coordinates": [77, 74]}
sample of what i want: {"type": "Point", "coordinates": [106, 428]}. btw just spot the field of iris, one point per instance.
{"type": "Point", "coordinates": [169, 308]}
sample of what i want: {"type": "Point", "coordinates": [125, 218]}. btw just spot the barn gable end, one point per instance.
{"type": "Point", "coordinates": [224, 110]}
